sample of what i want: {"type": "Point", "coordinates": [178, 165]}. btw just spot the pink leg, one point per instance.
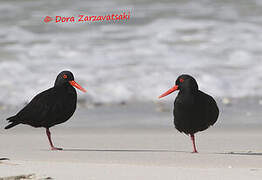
{"type": "Point", "coordinates": [194, 144]}
{"type": "Point", "coordinates": [48, 133]}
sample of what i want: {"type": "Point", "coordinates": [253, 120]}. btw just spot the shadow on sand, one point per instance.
{"type": "Point", "coordinates": [123, 150]}
{"type": "Point", "coordinates": [245, 153]}
{"type": "Point", "coordinates": [248, 153]}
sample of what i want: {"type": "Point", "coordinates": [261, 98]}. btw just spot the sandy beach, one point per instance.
{"type": "Point", "coordinates": [121, 130]}
{"type": "Point", "coordinates": [144, 150]}
{"type": "Point", "coordinates": [133, 154]}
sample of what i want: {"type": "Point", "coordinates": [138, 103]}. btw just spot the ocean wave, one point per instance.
{"type": "Point", "coordinates": [135, 61]}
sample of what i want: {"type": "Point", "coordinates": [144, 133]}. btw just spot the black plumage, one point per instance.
{"type": "Point", "coordinates": [194, 110]}
{"type": "Point", "coordinates": [51, 107]}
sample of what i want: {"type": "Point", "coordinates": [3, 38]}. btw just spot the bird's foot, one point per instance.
{"type": "Point", "coordinates": [56, 149]}
{"type": "Point", "coordinates": [194, 152]}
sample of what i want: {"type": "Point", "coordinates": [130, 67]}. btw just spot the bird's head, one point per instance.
{"type": "Point", "coordinates": [183, 83]}
{"type": "Point", "coordinates": [67, 77]}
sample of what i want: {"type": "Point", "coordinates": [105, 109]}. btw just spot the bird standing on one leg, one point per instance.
{"type": "Point", "coordinates": [51, 107]}
{"type": "Point", "coordinates": [194, 110]}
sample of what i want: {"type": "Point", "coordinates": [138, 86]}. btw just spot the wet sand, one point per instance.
{"type": "Point", "coordinates": [162, 153]}
{"type": "Point", "coordinates": [136, 141]}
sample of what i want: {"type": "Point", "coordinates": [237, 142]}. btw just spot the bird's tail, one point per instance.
{"type": "Point", "coordinates": [13, 120]}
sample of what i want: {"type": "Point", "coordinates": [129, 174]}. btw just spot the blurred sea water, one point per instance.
{"type": "Point", "coordinates": [218, 42]}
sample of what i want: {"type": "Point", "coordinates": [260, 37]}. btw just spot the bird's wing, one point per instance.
{"type": "Point", "coordinates": [40, 108]}
{"type": "Point", "coordinates": [212, 110]}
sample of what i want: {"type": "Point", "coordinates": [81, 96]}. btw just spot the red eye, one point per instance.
{"type": "Point", "coordinates": [181, 80]}
{"type": "Point", "coordinates": [64, 76]}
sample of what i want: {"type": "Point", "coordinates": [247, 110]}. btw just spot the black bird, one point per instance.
{"type": "Point", "coordinates": [51, 107]}
{"type": "Point", "coordinates": [194, 110]}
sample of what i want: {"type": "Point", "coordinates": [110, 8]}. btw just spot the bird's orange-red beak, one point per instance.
{"type": "Point", "coordinates": [73, 83]}
{"type": "Point", "coordinates": [169, 91]}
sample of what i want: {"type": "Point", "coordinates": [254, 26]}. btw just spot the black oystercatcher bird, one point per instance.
{"type": "Point", "coordinates": [194, 110]}
{"type": "Point", "coordinates": [51, 107]}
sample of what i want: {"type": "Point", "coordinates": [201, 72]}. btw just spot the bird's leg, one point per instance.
{"type": "Point", "coordinates": [48, 133]}
{"type": "Point", "coordinates": [194, 144]}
